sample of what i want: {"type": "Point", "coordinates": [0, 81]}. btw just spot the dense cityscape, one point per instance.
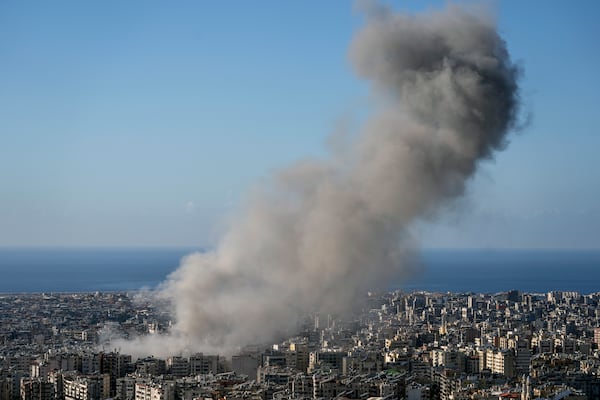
{"type": "Point", "coordinates": [198, 200]}
{"type": "Point", "coordinates": [413, 346]}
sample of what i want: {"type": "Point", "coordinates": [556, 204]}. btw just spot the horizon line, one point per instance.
{"type": "Point", "coordinates": [208, 248]}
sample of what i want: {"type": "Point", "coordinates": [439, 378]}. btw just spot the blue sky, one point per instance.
{"type": "Point", "coordinates": [143, 123]}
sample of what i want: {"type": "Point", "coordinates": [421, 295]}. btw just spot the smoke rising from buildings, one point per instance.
{"type": "Point", "coordinates": [319, 234]}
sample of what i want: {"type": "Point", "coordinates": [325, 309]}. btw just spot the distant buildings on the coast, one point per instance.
{"type": "Point", "coordinates": [413, 346]}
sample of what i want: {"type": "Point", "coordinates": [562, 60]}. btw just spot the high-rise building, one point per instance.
{"type": "Point", "coordinates": [126, 388]}
{"type": "Point", "coordinates": [245, 364]}
{"type": "Point", "coordinates": [513, 295]}
{"type": "Point", "coordinates": [37, 389]}
{"type": "Point", "coordinates": [178, 366]}
{"type": "Point", "coordinates": [114, 364]}
{"type": "Point", "coordinates": [597, 336]}
{"type": "Point", "coordinates": [90, 387]}
{"type": "Point", "coordinates": [154, 391]}
{"type": "Point", "coordinates": [298, 356]}
{"type": "Point", "coordinates": [5, 388]}
{"type": "Point", "coordinates": [501, 362]}
{"type": "Point", "coordinates": [202, 364]}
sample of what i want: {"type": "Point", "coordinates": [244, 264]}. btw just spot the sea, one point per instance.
{"type": "Point", "coordinates": [47, 270]}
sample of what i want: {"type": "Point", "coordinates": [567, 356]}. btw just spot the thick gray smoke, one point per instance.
{"type": "Point", "coordinates": [319, 234]}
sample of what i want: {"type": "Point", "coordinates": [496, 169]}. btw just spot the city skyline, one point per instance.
{"type": "Point", "coordinates": [414, 346]}
{"type": "Point", "coordinates": [131, 125]}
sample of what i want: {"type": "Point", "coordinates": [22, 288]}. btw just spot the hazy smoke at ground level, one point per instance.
{"type": "Point", "coordinates": [320, 233]}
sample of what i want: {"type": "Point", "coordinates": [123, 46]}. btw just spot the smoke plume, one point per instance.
{"type": "Point", "coordinates": [320, 233]}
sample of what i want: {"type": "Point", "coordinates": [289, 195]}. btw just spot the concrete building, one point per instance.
{"type": "Point", "coordinates": [90, 387]}
{"type": "Point", "coordinates": [597, 336]}
{"type": "Point", "coordinates": [202, 364]}
{"type": "Point", "coordinates": [154, 391]}
{"type": "Point", "coordinates": [501, 362]}
{"type": "Point", "coordinates": [5, 388]}
{"type": "Point", "coordinates": [125, 389]}
{"type": "Point", "coordinates": [37, 389]}
{"type": "Point", "coordinates": [245, 364]}
{"type": "Point", "coordinates": [178, 366]}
